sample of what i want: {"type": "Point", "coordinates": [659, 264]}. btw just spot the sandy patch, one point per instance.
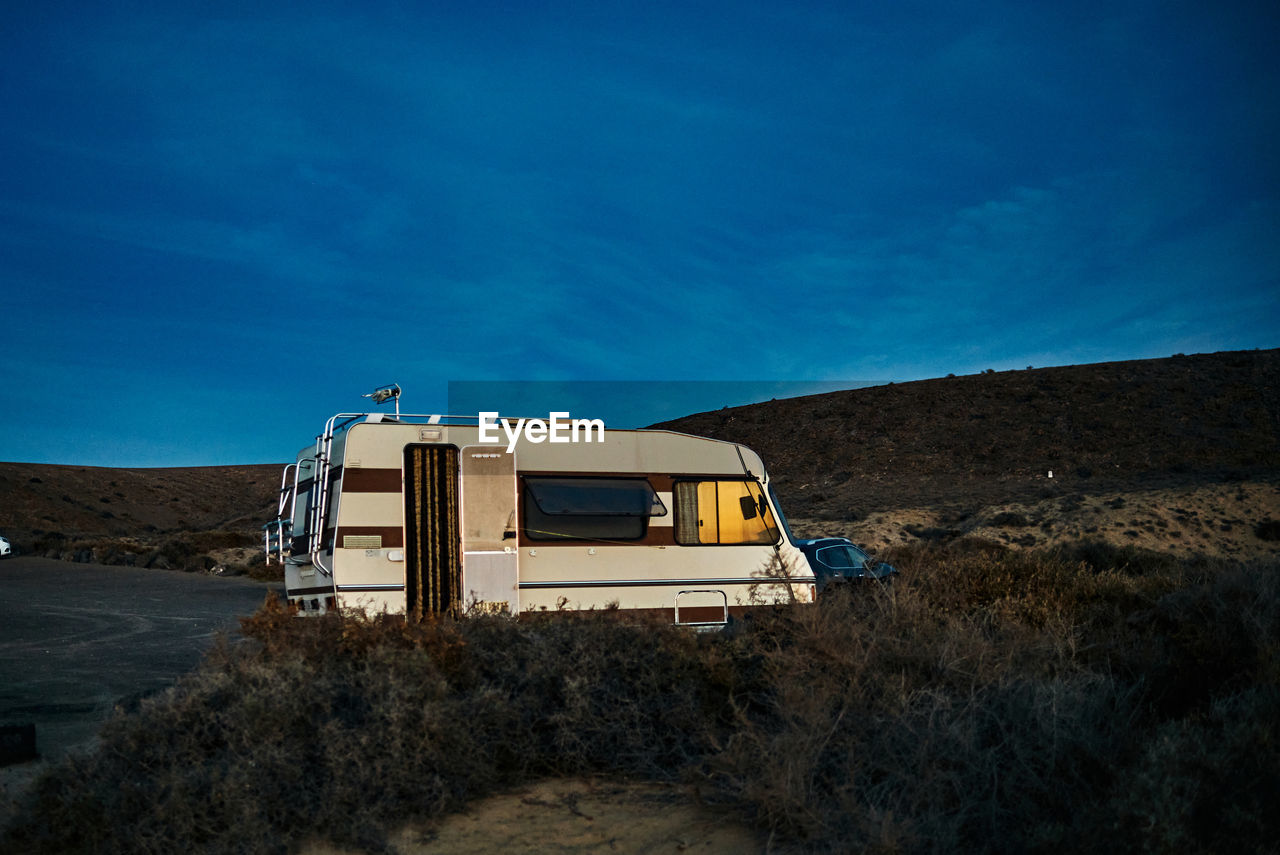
{"type": "Point", "coordinates": [577, 816]}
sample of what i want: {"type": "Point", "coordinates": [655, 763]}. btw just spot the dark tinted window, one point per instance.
{"type": "Point", "coordinates": [842, 557]}
{"type": "Point", "coordinates": [588, 508]}
{"type": "Point", "coordinates": [632, 497]}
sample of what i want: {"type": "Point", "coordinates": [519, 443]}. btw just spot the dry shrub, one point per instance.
{"type": "Point", "coordinates": [343, 727]}
{"type": "Point", "coordinates": [988, 700]}
{"type": "Point", "coordinates": [1016, 703]}
{"type": "Point", "coordinates": [879, 723]}
{"type": "Point", "coordinates": [1207, 783]}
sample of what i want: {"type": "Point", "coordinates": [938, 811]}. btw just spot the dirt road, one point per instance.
{"type": "Point", "coordinates": [77, 639]}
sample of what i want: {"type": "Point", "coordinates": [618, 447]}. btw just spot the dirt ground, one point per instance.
{"type": "Point", "coordinates": [578, 816]}
{"type": "Point", "coordinates": [1216, 520]}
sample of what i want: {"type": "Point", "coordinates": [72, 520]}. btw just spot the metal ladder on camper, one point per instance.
{"type": "Point", "coordinates": [277, 536]}
{"type": "Point", "coordinates": [320, 507]}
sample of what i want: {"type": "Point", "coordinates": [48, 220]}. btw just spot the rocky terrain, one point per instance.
{"type": "Point", "coordinates": [1178, 455]}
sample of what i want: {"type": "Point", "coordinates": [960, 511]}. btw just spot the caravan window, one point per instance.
{"type": "Point", "coordinates": [589, 508]}
{"type": "Point", "coordinates": [722, 512]}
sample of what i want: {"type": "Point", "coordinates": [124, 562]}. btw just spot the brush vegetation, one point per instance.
{"type": "Point", "coordinates": [986, 701]}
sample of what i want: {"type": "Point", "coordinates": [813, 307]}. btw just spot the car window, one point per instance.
{"type": "Point", "coordinates": [837, 557]}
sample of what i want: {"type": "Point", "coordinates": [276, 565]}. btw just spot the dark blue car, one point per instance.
{"type": "Point", "coordinates": [837, 560]}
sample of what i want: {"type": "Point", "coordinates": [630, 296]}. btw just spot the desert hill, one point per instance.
{"type": "Point", "coordinates": [193, 517]}
{"type": "Point", "coordinates": [1176, 454]}
{"type": "Point", "coordinates": [1144, 423]}
{"type": "Point", "coordinates": [1181, 453]}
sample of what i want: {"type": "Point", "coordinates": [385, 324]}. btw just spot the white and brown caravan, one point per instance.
{"type": "Point", "coordinates": [429, 514]}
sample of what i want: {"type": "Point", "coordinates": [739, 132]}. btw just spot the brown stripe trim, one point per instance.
{"type": "Point", "coordinates": [701, 614]}
{"type": "Point", "coordinates": [360, 480]}
{"type": "Point", "coordinates": [302, 592]}
{"type": "Point", "coordinates": [392, 536]}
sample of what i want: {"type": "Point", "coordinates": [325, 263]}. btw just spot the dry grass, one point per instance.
{"type": "Point", "coordinates": [989, 700]}
{"type": "Point", "coordinates": [1004, 701]}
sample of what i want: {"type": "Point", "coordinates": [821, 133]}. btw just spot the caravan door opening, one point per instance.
{"type": "Point", "coordinates": [433, 552]}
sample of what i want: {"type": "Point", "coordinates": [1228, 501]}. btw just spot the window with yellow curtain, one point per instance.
{"type": "Point", "coordinates": [722, 512]}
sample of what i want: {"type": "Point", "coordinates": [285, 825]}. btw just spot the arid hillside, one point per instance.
{"type": "Point", "coordinates": [1174, 454]}
{"type": "Point", "coordinates": [193, 518]}
{"type": "Point", "coordinates": [1179, 454]}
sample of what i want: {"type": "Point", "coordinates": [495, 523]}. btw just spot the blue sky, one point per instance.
{"type": "Point", "coordinates": [221, 224]}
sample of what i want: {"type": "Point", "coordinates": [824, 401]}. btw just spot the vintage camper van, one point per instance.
{"type": "Point", "coordinates": [436, 514]}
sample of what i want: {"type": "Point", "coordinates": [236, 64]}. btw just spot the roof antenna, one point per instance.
{"type": "Point", "coordinates": [382, 394]}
